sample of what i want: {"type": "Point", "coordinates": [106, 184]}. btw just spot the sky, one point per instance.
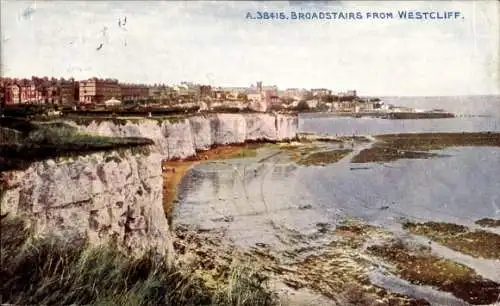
{"type": "Point", "coordinates": [211, 42]}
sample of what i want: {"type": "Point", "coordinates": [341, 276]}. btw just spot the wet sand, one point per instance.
{"type": "Point", "coordinates": [175, 170]}
{"type": "Point", "coordinates": [338, 269]}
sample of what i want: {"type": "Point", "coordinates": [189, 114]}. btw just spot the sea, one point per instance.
{"type": "Point", "coordinates": [259, 202]}
{"type": "Point", "coordinates": [461, 187]}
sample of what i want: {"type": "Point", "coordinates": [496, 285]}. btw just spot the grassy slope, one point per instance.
{"type": "Point", "coordinates": [42, 141]}
{"type": "Point", "coordinates": [53, 272]}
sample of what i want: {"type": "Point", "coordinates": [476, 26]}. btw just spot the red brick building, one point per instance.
{"type": "Point", "coordinates": [134, 92]}
{"type": "Point", "coordinates": [98, 90]}
{"type": "Point", "coordinates": [68, 92]}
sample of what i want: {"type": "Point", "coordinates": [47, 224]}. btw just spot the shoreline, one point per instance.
{"type": "Point", "coordinates": [175, 170]}
{"type": "Point", "coordinates": [385, 148]}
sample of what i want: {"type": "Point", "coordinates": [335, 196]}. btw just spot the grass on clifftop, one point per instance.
{"type": "Point", "coordinates": [40, 141]}
{"type": "Point", "coordinates": [53, 272]}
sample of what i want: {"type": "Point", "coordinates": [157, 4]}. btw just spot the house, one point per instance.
{"type": "Point", "coordinates": [12, 94]}
{"type": "Point", "coordinates": [205, 91]}
{"type": "Point", "coordinates": [219, 94]}
{"type": "Point", "coordinates": [54, 94]}
{"type": "Point", "coordinates": [134, 92]}
{"type": "Point", "coordinates": [96, 91]}
{"type": "Point", "coordinates": [366, 106]}
{"type": "Point", "coordinates": [345, 106]}
{"type": "Point", "coordinates": [32, 93]}
{"type": "Point", "coordinates": [112, 102]}
{"type": "Point", "coordinates": [347, 96]}
{"type": "Point", "coordinates": [320, 92]}
{"type": "Point", "coordinates": [68, 92]}
{"type": "Point", "coordinates": [255, 97]}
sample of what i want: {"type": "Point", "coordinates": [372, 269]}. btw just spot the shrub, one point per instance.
{"type": "Point", "coordinates": [245, 288]}
{"type": "Point", "coordinates": [302, 106]}
{"type": "Point", "coordinates": [51, 271]}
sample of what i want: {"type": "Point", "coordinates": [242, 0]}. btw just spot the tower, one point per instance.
{"type": "Point", "coordinates": [259, 86]}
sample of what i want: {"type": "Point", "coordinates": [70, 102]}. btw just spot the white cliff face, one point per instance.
{"type": "Point", "coordinates": [183, 138]}
{"type": "Point", "coordinates": [287, 126]}
{"type": "Point", "coordinates": [101, 195]}
{"type": "Point", "coordinates": [179, 139]}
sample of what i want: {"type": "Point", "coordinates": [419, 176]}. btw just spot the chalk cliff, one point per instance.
{"type": "Point", "coordinates": [107, 194]}
{"type": "Point", "coordinates": [119, 194]}
{"type": "Point", "coordinates": [184, 137]}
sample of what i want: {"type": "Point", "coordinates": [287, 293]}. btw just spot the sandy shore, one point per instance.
{"type": "Point", "coordinates": [174, 170]}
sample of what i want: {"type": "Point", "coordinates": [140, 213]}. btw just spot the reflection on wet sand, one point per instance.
{"type": "Point", "coordinates": [289, 219]}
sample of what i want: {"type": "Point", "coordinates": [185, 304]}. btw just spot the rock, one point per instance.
{"type": "Point", "coordinates": [182, 138]}
{"type": "Point", "coordinates": [93, 196]}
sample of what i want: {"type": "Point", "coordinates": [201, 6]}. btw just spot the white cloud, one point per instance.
{"type": "Point", "coordinates": [174, 41]}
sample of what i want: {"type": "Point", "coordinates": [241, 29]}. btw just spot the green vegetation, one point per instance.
{"type": "Point", "coordinates": [420, 267]}
{"type": "Point", "coordinates": [488, 222]}
{"type": "Point", "coordinates": [477, 243]}
{"type": "Point", "coordinates": [416, 145]}
{"type": "Point", "coordinates": [230, 110]}
{"type": "Point", "coordinates": [49, 271]}
{"type": "Point", "coordinates": [437, 141]}
{"type": "Point", "coordinates": [379, 154]}
{"type": "Point", "coordinates": [52, 140]}
{"type": "Point", "coordinates": [245, 152]}
{"type": "Point", "coordinates": [323, 158]}
{"type": "Point", "coordinates": [302, 106]}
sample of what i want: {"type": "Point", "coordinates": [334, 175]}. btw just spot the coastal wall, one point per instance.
{"type": "Point", "coordinates": [101, 195]}
{"type": "Point", "coordinates": [118, 194]}
{"type": "Point", "coordinates": [181, 138]}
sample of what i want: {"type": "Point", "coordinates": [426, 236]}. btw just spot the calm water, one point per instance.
{"type": "Point", "coordinates": [251, 199]}
{"type": "Point", "coordinates": [276, 201]}
{"type": "Point", "coordinates": [461, 105]}
{"type": "Point", "coordinates": [374, 126]}
{"type": "Point", "coordinates": [476, 106]}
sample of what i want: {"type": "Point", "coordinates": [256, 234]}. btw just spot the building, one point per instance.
{"type": "Point", "coordinates": [68, 92]}
{"type": "Point", "coordinates": [31, 93]}
{"type": "Point", "coordinates": [205, 91]}
{"type": "Point", "coordinates": [320, 92]}
{"type": "Point", "coordinates": [12, 94]}
{"type": "Point", "coordinates": [98, 90]}
{"type": "Point", "coordinates": [259, 86]}
{"type": "Point", "coordinates": [348, 95]}
{"type": "Point", "coordinates": [295, 94]}
{"type": "Point", "coordinates": [54, 94]}
{"type": "Point", "coordinates": [346, 106]}
{"type": "Point", "coordinates": [255, 97]}
{"type": "Point", "coordinates": [187, 91]}
{"type": "Point", "coordinates": [219, 94]}
{"type": "Point", "coordinates": [134, 92]}
{"type": "Point", "coordinates": [112, 102]}
{"type": "Point", "coordinates": [272, 97]}
{"type": "Point", "coordinates": [235, 89]}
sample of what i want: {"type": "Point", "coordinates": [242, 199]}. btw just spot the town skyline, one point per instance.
{"type": "Point", "coordinates": [171, 42]}
{"type": "Point", "coordinates": [247, 85]}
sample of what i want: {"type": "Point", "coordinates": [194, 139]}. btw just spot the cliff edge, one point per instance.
{"type": "Point", "coordinates": [117, 194]}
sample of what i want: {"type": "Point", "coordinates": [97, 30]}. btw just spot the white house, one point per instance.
{"type": "Point", "coordinates": [112, 102]}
